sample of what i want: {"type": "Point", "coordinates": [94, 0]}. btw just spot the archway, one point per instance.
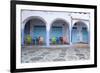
{"type": "Point", "coordinates": [59, 29]}
{"type": "Point", "coordinates": [80, 33]}
{"type": "Point", "coordinates": [36, 28]}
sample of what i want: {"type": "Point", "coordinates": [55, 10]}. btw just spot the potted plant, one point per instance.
{"type": "Point", "coordinates": [28, 39]}
{"type": "Point", "coordinates": [53, 40]}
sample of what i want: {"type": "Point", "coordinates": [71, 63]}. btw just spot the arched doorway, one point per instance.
{"type": "Point", "coordinates": [59, 29]}
{"type": "Point", "coordinates": [36, 28]}
{"type": "Point", "coordinates": [80, 33]}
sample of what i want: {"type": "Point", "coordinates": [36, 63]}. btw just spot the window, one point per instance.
{"type": "Point", "coordinates": [74, 27]}
{"type": "Point", "coordinates": [84, 28]}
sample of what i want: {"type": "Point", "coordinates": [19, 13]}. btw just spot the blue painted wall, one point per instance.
{"type": "Point", "coordinates": [74, 36]}
{"type": "Point", "coordinates": [39, 31]}
{"type": "Point", "coordinates": [85, 36]}
{"type": "Point", "coordinates": [56, 32]}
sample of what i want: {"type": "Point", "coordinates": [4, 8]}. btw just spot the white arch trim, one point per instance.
{"type": "Point", "coordinates": [32, 17]}
{"type": "Point", "coordinates": [83, 22]}
{"type": "Point", "coordinates": [66, 23]}
{"type": "Point", "coordinates": [57, 19]}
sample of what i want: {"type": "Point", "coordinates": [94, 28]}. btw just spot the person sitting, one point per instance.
{"type": "Point", "coordinates": [40, 40]}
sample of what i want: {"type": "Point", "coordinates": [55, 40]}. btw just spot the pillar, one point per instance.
{"type": "Point", "coordinates": [88, 37]}
{"type": "Point", "coordinates": [70, 37]}
{"type": "Point", "coordinates": [47, 39]}
{"type": "Point", "coordinates": [47, 35]}
{"type": "Point", "coordinates": [22, 37]}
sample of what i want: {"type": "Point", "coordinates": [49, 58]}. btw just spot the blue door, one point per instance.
{"type": "Point", "coordinates": [75, 35]}
{"type": "Point", "coordinates": [85, 35]}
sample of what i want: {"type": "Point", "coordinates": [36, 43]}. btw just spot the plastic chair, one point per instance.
{"type": "Point", "coordinates": [33, 41]}
{"type": "Point", "coordinates": [57, 40]}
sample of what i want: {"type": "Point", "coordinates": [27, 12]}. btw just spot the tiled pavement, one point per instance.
{"type": "Point", "coordinates": [29, 55]}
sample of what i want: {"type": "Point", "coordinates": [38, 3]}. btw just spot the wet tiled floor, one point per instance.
{"type": "Point", "coordinates": [29, 55]}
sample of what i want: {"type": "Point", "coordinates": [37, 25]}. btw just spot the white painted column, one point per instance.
{"type": "Point", "coordinates": [88, 30]}
{"type": "Point", "coordinates": [70, 29]}
{"type": "Point", "coordinates": [88, 37]}
{"type": "Point", "coordinates": [70, 37]}
{"type": "Point", "coordinates": [47, 39]}
{"type": "Point", "coordinates": [47, 35]}
{"type": "Point", "coordinates": [22, 37]}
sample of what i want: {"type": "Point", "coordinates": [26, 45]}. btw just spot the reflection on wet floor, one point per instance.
{"type": "Point", "coordinates": [29, 55]}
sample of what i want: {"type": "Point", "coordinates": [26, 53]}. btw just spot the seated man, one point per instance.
{"type": "Point", "coordinates": [40, 40]}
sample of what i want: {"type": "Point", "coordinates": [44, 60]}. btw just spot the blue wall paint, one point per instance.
{"type": "Point", "coordinates": [85, 36]}
{"type": "Point", "coordinates": [39, 31]}
{"type": "Point", "coordinates": [56, 32]}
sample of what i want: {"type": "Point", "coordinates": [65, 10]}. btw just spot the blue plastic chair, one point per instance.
{"type": "Point", "coordinates": [33, 41]}
{"type": "Point", "coordinates": [57, 40]}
